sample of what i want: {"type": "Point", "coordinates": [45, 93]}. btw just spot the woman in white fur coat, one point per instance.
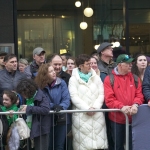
{"type": "Point", "coordinates": [87, 93]}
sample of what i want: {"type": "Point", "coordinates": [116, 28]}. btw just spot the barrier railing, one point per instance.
{"type": "Point", "coordinates": [81, 111]}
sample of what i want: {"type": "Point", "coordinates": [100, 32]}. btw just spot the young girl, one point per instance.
{"type": "Point", "coordinates": [9, 104]}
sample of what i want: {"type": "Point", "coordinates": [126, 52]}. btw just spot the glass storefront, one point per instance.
{"type": "Point", "coordinates": [54, 35]}
{"type": "Point", "coordinates": [55, 26]}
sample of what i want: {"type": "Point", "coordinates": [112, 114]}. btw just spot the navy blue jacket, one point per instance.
{"type": "Point", "coordinates": [146, 84]}
{"type": "Point", "coordinates": [40, 115]}
{"type": "Point", "coordinates": [59, 94]}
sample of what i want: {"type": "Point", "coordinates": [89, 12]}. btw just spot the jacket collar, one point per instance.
{"type": "Point", "coordinates": [76, 74]}
{"type": "Point", "coordinates": [58, 81]}
{"type": "Point", "coordinates": [39, 95]}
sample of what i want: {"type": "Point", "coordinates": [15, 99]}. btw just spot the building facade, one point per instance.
{"type": "Point", "coordinates": [55, 26]}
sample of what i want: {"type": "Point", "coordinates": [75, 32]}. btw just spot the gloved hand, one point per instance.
{"type": "Point", "coordinates": [57, 108]}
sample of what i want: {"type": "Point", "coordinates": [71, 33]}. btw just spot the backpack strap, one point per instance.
{"type": "Point", "coordinates": [135, 80]}
{"type": "Point", "coordinates": [111, 77]}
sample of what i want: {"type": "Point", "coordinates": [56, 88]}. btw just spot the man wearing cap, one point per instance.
{"type": "Point", "coordinates": [124, 95]}
{"type": "Point", "coordinates": [105, 63]}
{"type": "Point", "coordinates": [2, 55]}
{"type": "Point", "coordinates": [38, 59]}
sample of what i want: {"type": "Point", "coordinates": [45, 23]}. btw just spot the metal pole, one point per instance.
{"type": "Point", "coordinates": [15, 27]}
{"type": "Point", "coordinates": [126, 24]}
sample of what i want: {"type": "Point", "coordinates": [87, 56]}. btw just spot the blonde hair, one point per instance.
{"type": "Point", "coordinates": [23, 61]}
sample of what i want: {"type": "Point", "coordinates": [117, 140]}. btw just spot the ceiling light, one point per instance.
{"type": "Point", "coordinates": [117, 44]}
{"type": "Point", "coordinates": [113, 44]}
{"type": "Point", "coordinates": [96, 46]}
{"type": "Point", "coordinates": [77, 3]}
{"type": "Point", "coordinates": [83, 25]}
{"type": "Point", "coordinates": [88, 12]}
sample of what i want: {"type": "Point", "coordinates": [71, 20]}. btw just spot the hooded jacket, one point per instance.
{"type": "Point", "coordinates": [123, 93]}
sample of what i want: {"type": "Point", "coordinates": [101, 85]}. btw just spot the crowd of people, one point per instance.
{"type": "Point", "coordinates": [62, 82]}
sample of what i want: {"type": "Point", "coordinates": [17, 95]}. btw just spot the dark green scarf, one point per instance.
{"type": "Point", "coordinates": [30, 101]}
{"type": "Point", "coordinates": [14, 117]}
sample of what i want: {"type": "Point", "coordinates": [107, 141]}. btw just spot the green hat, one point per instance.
{"type": "Point", "coordinates": [124, 58]}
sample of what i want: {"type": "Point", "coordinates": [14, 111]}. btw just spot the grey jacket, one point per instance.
{"type": "Point", "coordinates": [9, 81]}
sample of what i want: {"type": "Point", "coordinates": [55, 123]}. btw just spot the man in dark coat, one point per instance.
{"type": "Point", "coordinates": [56, 62]}
{"type": "Point", "coordinates": [10, 76]}
{"type": "Point", "coordinates": [106, 65]}
{"type": "Point", "coordinates": [38, 59]}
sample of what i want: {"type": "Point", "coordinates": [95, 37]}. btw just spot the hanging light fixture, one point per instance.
{"type": "Point", "coordinates": [83, 24]}
{"type": "Point", "coordinates": [77, 3]}
{"type": "Point", "coordinates": [117, 44]}
{"type": "Point", "coordinates": [113, 44]}
{"type": "Point", "coordinates": [96, 46]}
{"type": "Point", "coordinates": [88, 12]}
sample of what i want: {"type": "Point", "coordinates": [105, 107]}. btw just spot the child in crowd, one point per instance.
{"type": "Point", "coordinates": [9, 104]}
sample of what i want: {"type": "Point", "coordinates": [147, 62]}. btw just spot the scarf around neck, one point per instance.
{"type": "Point", "coordinates": [30, 101]}
{"type": "Point", "coordinates": [85, 77]}
{"type": "Point", "coordinates": [14, 117]}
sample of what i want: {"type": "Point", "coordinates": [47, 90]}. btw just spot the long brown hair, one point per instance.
{"type": "Point", "coordinates": [42, 78]}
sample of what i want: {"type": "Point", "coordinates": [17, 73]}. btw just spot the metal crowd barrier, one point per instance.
{"type": "Point", "coordinates": [75, 111]}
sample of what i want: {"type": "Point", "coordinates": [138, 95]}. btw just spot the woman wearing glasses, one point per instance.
{"type": "Point", "coordinates": [87, 93]}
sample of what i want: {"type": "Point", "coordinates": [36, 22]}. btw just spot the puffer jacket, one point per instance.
{"type": "Point", "coordinates": [122, 93]}
{"type": "Point", "coordinates": [89, 132]}
{"type": "Point", "coordinates": [9, 81]}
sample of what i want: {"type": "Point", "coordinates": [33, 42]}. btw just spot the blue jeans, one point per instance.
{"type": "Point", "coordinates": [118, 134]}
{"type": "Point", "coordinates": [57, 137]}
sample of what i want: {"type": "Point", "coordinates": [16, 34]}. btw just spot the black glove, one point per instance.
{"type": "Point", "coordinates": [57, 108]}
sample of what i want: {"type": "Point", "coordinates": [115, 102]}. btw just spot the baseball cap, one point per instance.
{"type": "Point", "coordinates": [103, 46]}
{"type": "Point", "coordinates": [38, 51]}
{"type": "Point", "coordinates": [124, 58]}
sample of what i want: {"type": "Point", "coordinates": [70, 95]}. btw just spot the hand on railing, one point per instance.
{"type": "Point", "coordinates": [126, 109]}
{"type": "Point", "coordinates": [11, 113]}
{"type": "Point", "coordinates": [90, 113]}
{"type": "Point", "coordinates": [57, 108]}
{"type": "Point", "coordinates": [134, 109]}
{"type": "Point", "coordinates": [23, 108]}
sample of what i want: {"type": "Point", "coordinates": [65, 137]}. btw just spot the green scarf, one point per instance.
{"type": "Point", "coordinates": [14, 117]}
{"type": "Point", "coordinates": [30, 102]}
{"type": "Point", "coordinates": [85, 77]}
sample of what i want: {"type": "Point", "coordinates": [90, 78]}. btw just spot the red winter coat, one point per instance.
{"type": "Point", "coordinates": [123, 93]}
